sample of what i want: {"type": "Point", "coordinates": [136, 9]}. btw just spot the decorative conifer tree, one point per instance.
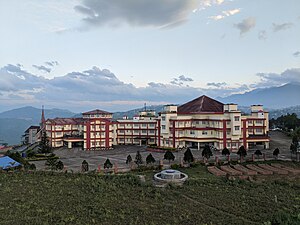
{"type": "Point", "coordinates": [150, 159]}
{"type": "Point", "coordinates": [169, 156]}
{"type": "Point", "coordinates": [188, 156]}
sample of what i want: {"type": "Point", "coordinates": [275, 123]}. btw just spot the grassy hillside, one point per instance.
{"type": "Point", "coordinates": [58, 198]}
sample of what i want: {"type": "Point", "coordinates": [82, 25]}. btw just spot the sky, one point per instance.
{"type": "Point", "coordinates": [119, 54]}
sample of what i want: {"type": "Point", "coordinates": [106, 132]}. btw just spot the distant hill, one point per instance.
{"type": "Point", "coordinates": [275, 113]}
{"type": "Point", "coordinates": [14, 122]}
{"type": "Point", "coordinates": [273, 98]}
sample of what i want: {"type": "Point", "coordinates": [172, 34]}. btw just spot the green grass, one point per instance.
{"type": "Point", "coordinates": [59, 198]}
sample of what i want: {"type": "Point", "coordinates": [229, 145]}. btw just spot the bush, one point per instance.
{"type": "Point", "coordinates": [107, 164]}
{"type": "Point", "coordinates": [60, 165]}
{"type": "Point", "coordinates": [175, 166]}
{"type": "Point", "coordinates": [84, 166]}
{"type": "Point", "coordinates": [150, 159]}
{"type": "Point", "coordinates": [188, 156]}
{"type": "Point", "coordinates": [169, 156]}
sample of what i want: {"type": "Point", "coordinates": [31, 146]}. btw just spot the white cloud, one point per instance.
{"type": "Point", "coordinates": [225, 14]}
{"type": "Point", "coordinates": [246, 25]}
{"type": "Point", "coordinates": [282, 26]}
{"type": "Point", "coordinates": [262, 35]}
{"type": "Point", "coordinates": [155, 13]}
{"type": "Point", "coordinates": [296, 54]}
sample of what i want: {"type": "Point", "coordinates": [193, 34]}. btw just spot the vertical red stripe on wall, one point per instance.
{"type": "Point", "coordinates": [244, 133]}
{"type": "Point", "coordinates": [224, 134]}
{"type": "Point", "coordinates": [158, 132]}
{"type": "Point", "coordinates": [88, 135]}
{"type": "Point", "coordinates": [174, 134]}
{"type": "Point", "coordinates": [107, 134]}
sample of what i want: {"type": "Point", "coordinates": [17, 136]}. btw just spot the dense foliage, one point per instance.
{"type": "Point", "coordinates": [286, 122]}
{"type": "Point", "coordinates": [60, 198]}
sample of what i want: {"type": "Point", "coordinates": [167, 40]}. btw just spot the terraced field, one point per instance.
{"type": "Point", "coordinates": [59, 198]}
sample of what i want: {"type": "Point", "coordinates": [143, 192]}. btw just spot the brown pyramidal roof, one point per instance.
{"type": "Point", "coordinates": [201, 105]}
{"type": "Point", "coordinates": [97, 111]}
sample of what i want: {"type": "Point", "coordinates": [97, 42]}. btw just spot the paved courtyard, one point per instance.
{"type": "Point", "coordinates": [72, 158]}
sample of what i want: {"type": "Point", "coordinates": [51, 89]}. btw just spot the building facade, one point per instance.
{"type": "Point", "coordinates": [207, 121]}
{"type": "Point", "coordinates": [194, 124]}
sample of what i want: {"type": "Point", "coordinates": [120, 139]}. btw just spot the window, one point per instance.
{"type": "Point", "coordinates": [236, 118]}
{"type": "Point", "coordinates": [258, 121]}
{"type": "Point", "coordinates": [228, 132]}
{"type": "Point", "coordinates": [259, 131]}
{"type": "Point", "coordinates": [163, 118]}
{"type": "Point", "coordinates": [233, 144]}
{"type": "Point", "coordinates": [144, 125]}
{"type": "Point", "coordinates": [144, 131]}
{"type": "Point", "coordinates": [151, 131]}
{"type": "Point", "coordinates": [236, 127]}
{"type": "Point", "coordinates": [204, 132]}
{"type": "Point", "coordinates": [192, 132]}
{"type": "Point", "coordinates": [136, 126]}
{"type": "Point", "coordinates": [151, 125]}
{"type": "Point", "coordinates": [163, 127]}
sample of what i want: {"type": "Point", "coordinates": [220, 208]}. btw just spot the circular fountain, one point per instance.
{"type": "Point", "coordinates": [170, 176]}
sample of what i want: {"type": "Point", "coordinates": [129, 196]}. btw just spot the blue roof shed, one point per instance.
{"type": "Point", "coordinates": [7, 162]}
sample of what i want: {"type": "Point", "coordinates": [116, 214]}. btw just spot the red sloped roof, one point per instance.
{"type": "Point", "coordinates": [96, 111]}
{"type": "Point", "coordinates": [201, 105]}
{"type": "Point", "coordinates": [66, 121]}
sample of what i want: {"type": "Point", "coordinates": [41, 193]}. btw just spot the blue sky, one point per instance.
{"type": "Point", "coordinates": [118, 54]}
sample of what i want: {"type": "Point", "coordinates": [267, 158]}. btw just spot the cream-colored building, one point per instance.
{"type": "Point", "coordinates": [140, 130]}
{"type": "Point", "coordinates": [193, 124]}
{"type": "Point", "coordinates": [207, 121]}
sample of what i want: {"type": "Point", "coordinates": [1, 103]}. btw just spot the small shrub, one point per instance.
{"type": "Point", "coordinates": [175, 166]}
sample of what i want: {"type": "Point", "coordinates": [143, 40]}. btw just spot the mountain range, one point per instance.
{"type": "Point", "coordinates": [272, 98]}
{"type": "Point", "coordinates": [277, 100]}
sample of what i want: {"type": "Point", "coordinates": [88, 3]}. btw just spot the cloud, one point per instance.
{"type": "Point", "coordinates": [153, 13]}
{"type": "Point", "coordinates": [216, 84]}
{"type": "Point", "coordinates": [281, 27]}
{"type": "Point", "coordinates": [52, 63]}
{"type": "Point", "coordinates": [275, 79]}
{"type": "Point", "coordinates": [246, 25]}
{"type": "Point", "coordinates": [262, 35]}
{"type": "Point", "coordinates": [180, 80]}
{"type": "Point", "coordinates": [296, 54]}
{"type": "Point", "coordinates": [100, 88]}
{"type": "Point", "coordinates": [42, 68]}
{"type": "Point", "coordinates": [225, 14]}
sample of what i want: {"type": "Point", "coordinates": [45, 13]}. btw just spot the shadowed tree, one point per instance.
{"type": "Point", "coordinates": [84, 166]}
{"type": "Point", "coordinates": [169, 156]}
{"type": "Point", "coordinates": [107, 164]}
{"type": "Point", "coordinates": [188, 156]}
{"type": "Point", "coordinates": [51, 163]}
{"type": "Point", "coordinates": [129, 159]}
{"type": "Point", "coordinates": [225, 151]}
{"type": "Point", "coordinates": [257, 153]}
{"type": "Point", "coordinates": [276, 153]}
{"type": "Point", "coordinates": [150, 159]}
{"type": "Point", "coordinates": [242, 152]}
{"type": "Point", "coordinates": [295, 144]}
{"type": "Point", "coordinates": [44, 145]}
{"type": "Point", "coordinates": [138, 159]}
{"type": "Point", "coordinates": [60, 165]}
{"type": "Point", "coordinates": [207, 153]}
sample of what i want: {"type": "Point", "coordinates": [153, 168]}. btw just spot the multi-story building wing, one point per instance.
{"type": "Point", "coordinates": [207, 121]}
{"type": "Point", "coordinates": [65, 131]}
{"type": "Point", "coordinates": [193, 124]}
{"type": "Point", "coordinates": [30, 135]}
{"type": "Point", "coordinates": [140, 130]}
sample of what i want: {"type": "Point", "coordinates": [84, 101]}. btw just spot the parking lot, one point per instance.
{"type": "Point", "coordinates": [72, 158]}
